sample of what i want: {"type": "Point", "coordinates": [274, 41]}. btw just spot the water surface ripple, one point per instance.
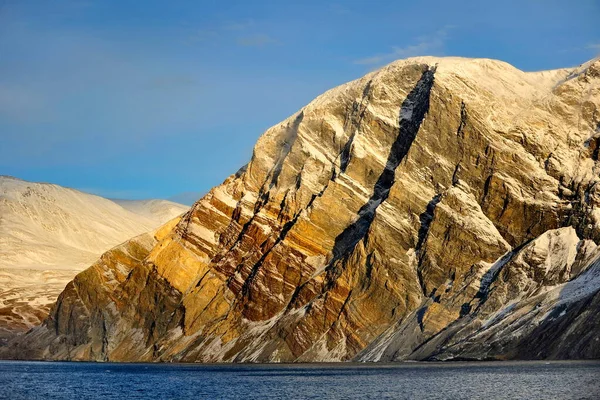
{"type": "Point", "coordinates": [464, 380]}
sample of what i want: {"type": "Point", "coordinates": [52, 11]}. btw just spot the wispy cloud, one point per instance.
{"type": "Point", "coordinates": [424, 45]}
{"type": "Point", "coordinates": [339, 9]}
{"type": "Point", "coordinates": [593, 46]}
{"type": "Point", "coordinates": [203, 35]}
{"type": "Point", "coordinates": [256, 40]}
{"type": "Point", "coordinates": [244, 30]}
{"type": "Point", "coordinates": [239, 25]}
{"type": "Point", "coordinates": [170, 82]}
{"type": "Point", "coordinates": [18, 103]}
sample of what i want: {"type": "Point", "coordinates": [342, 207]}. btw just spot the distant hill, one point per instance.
{"type": "Point", "coordinates": [49, 233]}
{"type": "Point", "coordinates": [187, 198]}
{"type": "Point", "coordinates": [155, 209]}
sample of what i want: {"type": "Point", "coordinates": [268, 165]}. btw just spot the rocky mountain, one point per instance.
{"type": "Point", "coordinates": [49, 233]}
{"type": "Point", "coordinates": [435, 209]}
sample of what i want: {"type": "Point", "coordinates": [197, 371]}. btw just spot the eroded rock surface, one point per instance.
{"type": "Point", "coordinates": [434, 209]}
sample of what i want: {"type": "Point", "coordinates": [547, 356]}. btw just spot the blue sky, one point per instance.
{"type": "Point", "coordinates": [147, 99]}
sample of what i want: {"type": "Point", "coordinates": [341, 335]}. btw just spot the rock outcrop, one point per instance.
{"type": "Point", "coordinates": [434, 209]}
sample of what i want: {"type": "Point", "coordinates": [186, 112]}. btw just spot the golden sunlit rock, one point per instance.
{"type": "Point", "coordinates": [437, 208]}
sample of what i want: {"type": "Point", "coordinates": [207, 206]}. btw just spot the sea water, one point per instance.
{"type": "Point", "coordinates": [455, 380]}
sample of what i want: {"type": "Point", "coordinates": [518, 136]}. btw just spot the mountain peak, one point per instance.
{"type": "Point", "coordinates": [438, 208]}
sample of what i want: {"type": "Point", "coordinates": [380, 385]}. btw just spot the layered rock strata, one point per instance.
{"type": "Point", "coordinates": [434, 209]}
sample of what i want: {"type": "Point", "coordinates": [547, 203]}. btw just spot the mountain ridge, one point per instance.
{"type": "Point", "coordinates": [438, 208]}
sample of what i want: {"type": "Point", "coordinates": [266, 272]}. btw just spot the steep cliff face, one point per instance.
{"type": "Point", "coordinates": [434, 209]}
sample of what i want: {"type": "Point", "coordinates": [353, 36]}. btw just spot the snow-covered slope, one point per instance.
{"type": "Point", "coordinates": [157, 210]}
{"type": "Point", "coordinates": [49, 233]}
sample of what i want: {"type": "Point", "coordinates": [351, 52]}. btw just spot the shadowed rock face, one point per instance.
{"type": "Point", "coordinates": [434, 209]}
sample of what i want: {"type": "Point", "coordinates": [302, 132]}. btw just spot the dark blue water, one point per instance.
{"type": "Point", "coordinates": [510, 380]}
